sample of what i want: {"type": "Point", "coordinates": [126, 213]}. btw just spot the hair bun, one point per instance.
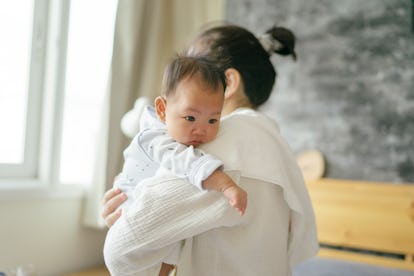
{"type": "Point", "coordinates": [279, 40]}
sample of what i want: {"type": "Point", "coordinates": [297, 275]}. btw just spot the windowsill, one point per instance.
{"type": "Point", "coordinates": [16, 189]}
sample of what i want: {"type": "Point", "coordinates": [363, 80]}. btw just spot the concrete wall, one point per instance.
{"type": "Point", "coordinates": [351, 92]}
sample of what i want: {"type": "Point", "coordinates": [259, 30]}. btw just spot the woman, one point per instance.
{"type": "Point", "coordinates": [278, 229]}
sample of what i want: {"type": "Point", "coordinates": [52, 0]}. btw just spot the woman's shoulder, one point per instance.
{"type": "Point", "coordinates": [248, 119]}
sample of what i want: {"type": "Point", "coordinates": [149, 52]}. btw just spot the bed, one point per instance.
{"type": "Point", "coordinates": [364, 228]}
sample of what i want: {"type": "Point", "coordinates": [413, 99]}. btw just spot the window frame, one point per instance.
{"type": "Point", "coordinates": [29, 167]}
{"type": "Point", "coordinates": [45, 97]}
{"type": "Point", "coordinates": [46, 94]}
{"type": "Point", "coordinates": [53, 99]}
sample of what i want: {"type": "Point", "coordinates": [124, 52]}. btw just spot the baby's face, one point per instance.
{"type": "Point", "coordinates": [192, 113]}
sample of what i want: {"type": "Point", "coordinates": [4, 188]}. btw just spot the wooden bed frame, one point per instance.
{"type": "Point", "coordinates": [365, 222]}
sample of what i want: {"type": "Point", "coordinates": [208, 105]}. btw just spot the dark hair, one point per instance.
{"type": "Point", "coordinates": [231, 46]}
{"type": "Point", "coordinates": [182, 67]}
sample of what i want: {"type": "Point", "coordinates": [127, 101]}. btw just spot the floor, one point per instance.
{"type": "Point", "coordinates": [330, 267]}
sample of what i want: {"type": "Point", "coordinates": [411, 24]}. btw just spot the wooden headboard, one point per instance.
{"type": "Point", "coordinates": [365, 222]}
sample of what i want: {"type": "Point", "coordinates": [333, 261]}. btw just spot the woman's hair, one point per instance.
{"type": "Point", "coordinates": [182, 67]}
{"type": "Point", "coordinates": [231, 46]}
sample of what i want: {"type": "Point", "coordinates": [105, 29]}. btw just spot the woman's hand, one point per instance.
{"type": "Point", "coordinates": [113, 198]}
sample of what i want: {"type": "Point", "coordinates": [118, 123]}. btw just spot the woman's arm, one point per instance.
{"type": "Point", "coordinates": [166, 210]}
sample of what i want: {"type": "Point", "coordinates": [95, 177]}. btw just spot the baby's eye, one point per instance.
{"type": "Point", "coordinates": [212, 121]}
{"type": "Point", "coordinates": [190, 118]}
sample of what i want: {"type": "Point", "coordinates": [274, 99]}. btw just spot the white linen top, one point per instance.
{"type": "Point", "coordinates": [277, 230]}
{"type": "Point", "coordinates": [152, 147]}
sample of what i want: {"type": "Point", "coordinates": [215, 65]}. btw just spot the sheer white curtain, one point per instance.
{"type": "Point", "coordinates": [147, 34]}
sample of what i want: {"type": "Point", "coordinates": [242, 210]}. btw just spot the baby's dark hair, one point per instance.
{"type": "Point", "coordinates": [182, 67]}
{"type": "Point", "coordinates": [231, 46]}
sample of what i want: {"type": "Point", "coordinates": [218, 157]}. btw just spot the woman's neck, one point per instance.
{"type": "Point", "coordinates": [232, 104]}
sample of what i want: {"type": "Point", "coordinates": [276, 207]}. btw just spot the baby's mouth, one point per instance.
{"type": "Point", "coordinates": [195, 143]}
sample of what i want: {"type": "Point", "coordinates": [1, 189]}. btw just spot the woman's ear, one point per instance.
{"type": "Point", "coordinates": [160, 105]}
{"type": "Point", "coordinates": [232, 82]}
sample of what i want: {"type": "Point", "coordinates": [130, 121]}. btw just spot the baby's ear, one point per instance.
{"type": "Point", "coordinates": [160, 105]}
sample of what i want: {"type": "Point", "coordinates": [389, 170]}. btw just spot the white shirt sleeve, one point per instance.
{"type": "Point", "coordinates": [183, 161]}
{"type": "Point", "coordinates": [141, 238]}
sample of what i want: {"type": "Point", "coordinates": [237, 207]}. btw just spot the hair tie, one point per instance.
{"type": "Point", "coordinates": [270, 44]}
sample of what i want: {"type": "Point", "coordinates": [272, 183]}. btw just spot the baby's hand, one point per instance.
{"type": "Point", "coordinates": [237, 198]}
{"type": "Point", "coordinates": [219, 181]}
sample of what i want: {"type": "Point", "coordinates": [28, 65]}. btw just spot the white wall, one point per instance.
{"type": "Point", "coordinates": [47, 232]}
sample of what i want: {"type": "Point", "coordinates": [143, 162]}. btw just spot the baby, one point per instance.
{"type": "Point", "coordinates": [185, 116]}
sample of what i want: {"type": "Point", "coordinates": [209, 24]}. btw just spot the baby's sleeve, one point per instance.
{"type": "Point", "coordinates": [183, 161]}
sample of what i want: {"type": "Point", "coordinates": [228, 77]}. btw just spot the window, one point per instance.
{"type": "Point", "coordinates": [53, 76]}
{"type": "Point", "coordinates": [19, 57]}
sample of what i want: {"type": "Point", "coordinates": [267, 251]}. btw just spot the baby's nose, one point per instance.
{"type": "Point", "coordinates": [199, 130]}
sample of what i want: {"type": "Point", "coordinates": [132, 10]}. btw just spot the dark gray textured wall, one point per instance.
{"type": "Point", "coordinates": [351, 92]}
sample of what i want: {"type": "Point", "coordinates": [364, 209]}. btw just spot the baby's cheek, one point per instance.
{"type": "Point", "coordinates": [213, 135]}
